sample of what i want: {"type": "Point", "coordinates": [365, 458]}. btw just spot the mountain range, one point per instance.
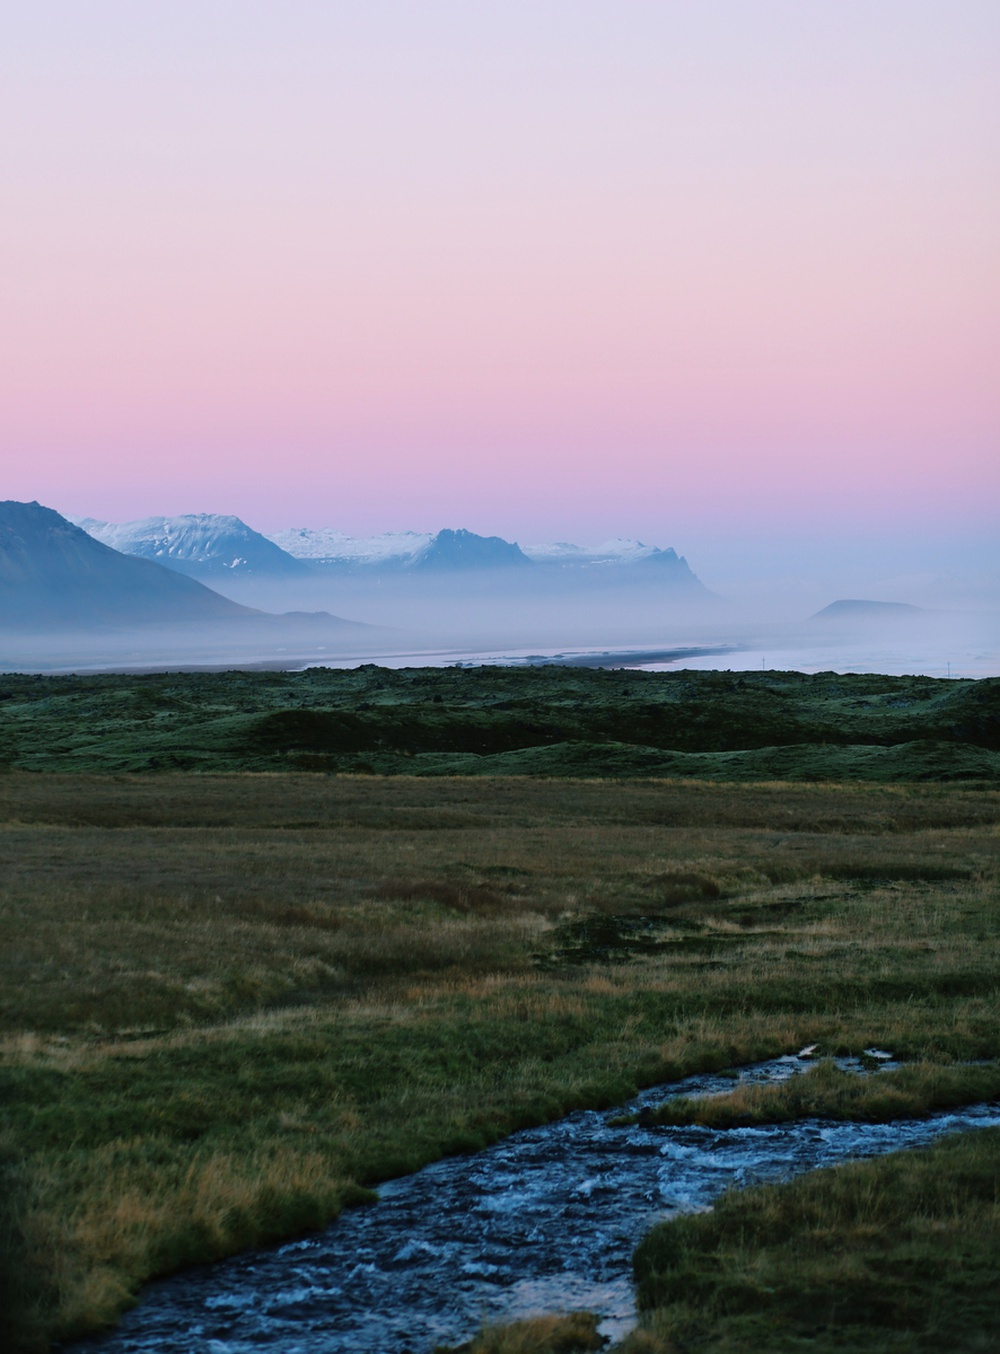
{"type": "Point", "coordinates": [55, 575]}
{"type": "Point", "coordinates": [213, 547]}
{"type": "Point", "coordinates": [67, 596]}
{"type": "Point", "coordinates": [416, 551]}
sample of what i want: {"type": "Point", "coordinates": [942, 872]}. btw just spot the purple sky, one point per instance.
{"type": "Point", "coordinates": [546, 268]}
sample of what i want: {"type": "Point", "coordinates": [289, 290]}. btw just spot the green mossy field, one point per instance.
{"type": "Point", "coordinates": [245, 979]}
{"type": "Point", "coordinates": [540, 721]}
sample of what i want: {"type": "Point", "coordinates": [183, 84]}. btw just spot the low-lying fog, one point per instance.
{"type": "Point", "coordinates": [410, 621]}
{"type": "Point", "coordinates": [760, 607]}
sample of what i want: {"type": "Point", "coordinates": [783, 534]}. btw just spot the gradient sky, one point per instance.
{"type": "Point", "coordinates": [554, 269]}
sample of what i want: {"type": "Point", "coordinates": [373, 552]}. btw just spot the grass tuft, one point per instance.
{"type": "Point", "coordinates": [825, 1091]}
{"type": "Point", "coordinates": [572, 1333]}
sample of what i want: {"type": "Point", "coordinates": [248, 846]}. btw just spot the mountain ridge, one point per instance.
{"type": "Point", "coordinates": [212, 545]}
{"type": "Point", "coordinates": [404, 550]}
{"type": "Point", "coordinates": [55, 576]}
{"type": "Point", "coordinates": [54, 572]}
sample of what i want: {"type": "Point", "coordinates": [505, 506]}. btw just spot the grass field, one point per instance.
{"type": "Point", "coordinates": [238, 993]}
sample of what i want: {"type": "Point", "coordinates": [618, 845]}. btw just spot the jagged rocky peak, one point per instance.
{"type": "Point", "coordinates": [463, 549]}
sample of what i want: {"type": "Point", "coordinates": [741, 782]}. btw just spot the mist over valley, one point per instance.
{"type": "Point", "coordinates": [208, 589]}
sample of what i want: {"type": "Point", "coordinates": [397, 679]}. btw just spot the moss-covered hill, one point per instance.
{"type": "Point", "coordinates": [542, 721]}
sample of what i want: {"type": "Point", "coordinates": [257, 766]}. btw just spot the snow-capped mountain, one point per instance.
{"type": "Point", "coordinates": [617, 560]}
{"type": "Point", "coordinates": [202, 545]}
{"type": "Point", "coordinates": [396, 550]}
{"type": "Point", "coordinates": [465, 550]}
{"type": "Point", "coordinates": [214, 547]}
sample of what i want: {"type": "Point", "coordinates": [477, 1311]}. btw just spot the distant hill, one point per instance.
{"type": "Point", "coordinates": [201, 545]}
{"type": "Point", "coordinates": [53, 573]}
{"type": "Point", "coordinates": [854, 609]}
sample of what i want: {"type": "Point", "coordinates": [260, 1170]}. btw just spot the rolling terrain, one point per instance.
{"type": "Point", "coordinates": [552, 721]}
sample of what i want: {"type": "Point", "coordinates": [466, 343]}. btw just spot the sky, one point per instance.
{"type": "Point", "coordinates": [549, 269]}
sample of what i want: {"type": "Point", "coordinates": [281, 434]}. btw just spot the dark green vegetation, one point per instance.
{"type": "Point", "coordinates": [550, 721]}
{"type": "Point", "coordinates": [231, 1003]}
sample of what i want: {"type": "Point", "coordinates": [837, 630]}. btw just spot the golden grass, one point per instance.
{"type": "Point", "coordinates": [571, 1333]}
{"type": "Point", "coordinates": [825, 1091]}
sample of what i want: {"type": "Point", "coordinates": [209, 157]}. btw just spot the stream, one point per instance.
{"type": "Point", "coordinates": [545, 1220]}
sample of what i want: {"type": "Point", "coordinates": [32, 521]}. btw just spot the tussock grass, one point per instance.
{"type": "Point", "coordinates": [143, 1207]}
{"type": "Point", "coordinates": [230, 1004]}
{"type": "Point", "coordinates": [572, 1333]}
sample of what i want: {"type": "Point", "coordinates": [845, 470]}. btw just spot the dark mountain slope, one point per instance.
{"type": "Point", "coordinates": [53, 574]}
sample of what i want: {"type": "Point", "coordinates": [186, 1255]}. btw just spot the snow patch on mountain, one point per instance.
{"type": "Point", "coordinates": [326, 545]}
{"type": "Point", "coordinates": [210, 546]}
{"type": "Point", "coordinates": [618, 550]}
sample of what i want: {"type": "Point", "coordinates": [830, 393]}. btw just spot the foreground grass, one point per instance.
{"type": "Point", "coordinates": [231, 1004]}
{"type": "Point", "coordinates": [899, 1253]}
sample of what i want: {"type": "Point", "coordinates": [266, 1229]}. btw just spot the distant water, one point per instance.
{"type": "Point", "coordinates": [890, 659]}
{"type": "Point", "coordinates": [952, 652]}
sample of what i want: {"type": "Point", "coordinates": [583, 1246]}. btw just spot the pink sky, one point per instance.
{"type": "Point", "coordinates": [559, 269]}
